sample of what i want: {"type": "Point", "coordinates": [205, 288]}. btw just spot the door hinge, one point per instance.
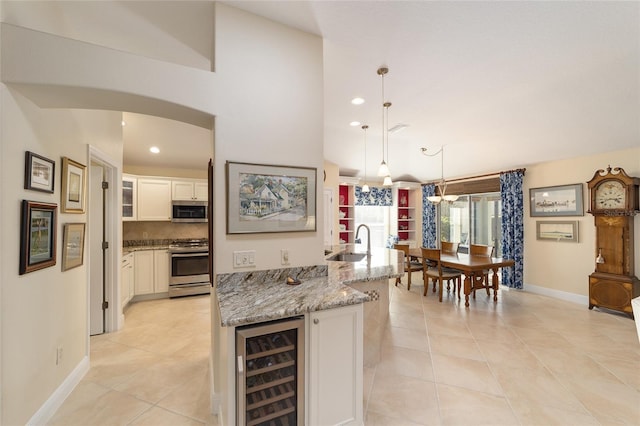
{"type": "Point", "coordinates": [105, 185]}
{"type": "Point", "coordinates": [105, 245]}
{"type": "Point", "coordinates": [105, 305]}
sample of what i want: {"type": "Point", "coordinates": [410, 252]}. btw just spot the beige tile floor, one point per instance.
{"type": "Point", "coordinates": [525, 360]}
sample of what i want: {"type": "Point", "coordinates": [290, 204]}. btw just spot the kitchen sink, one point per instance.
{"type": "Point", "coordinates": [347, 257]}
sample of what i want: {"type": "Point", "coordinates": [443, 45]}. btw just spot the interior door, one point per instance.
{"type": "Point", "coordinates": [96, 265]}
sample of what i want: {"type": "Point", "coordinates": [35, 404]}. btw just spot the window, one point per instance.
{"type": "Point", "coordinates": [377, 219]}
{"type": "Point", "coordinates": [473, 219]}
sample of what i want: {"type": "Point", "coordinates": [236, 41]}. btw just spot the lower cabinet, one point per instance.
{"type": "Point", "coordinates": [335, 366]}
{"type": "Point", "coordinates": [151, 271]}
{"type": "Point", "coordinates": [127, 279]}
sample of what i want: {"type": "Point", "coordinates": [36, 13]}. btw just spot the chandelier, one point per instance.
{"type": "Point", "coordinates": [442, 184]}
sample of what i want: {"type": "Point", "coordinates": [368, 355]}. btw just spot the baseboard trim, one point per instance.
{"type": "Point", "coordinates": [558, 294]}
{"type": "Point", "coordinates": [51, 405]}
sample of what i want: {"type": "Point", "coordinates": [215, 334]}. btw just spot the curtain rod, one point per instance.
{"type": "Point", "coordinates": [480, 176]}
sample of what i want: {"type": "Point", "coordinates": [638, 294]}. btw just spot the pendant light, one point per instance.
{"type": "Point", "coordinates": [365, 187]}
{"type": "Point", "coordinates": [442, 184]}
{"type": "Point", "coordinates": [383, 170]}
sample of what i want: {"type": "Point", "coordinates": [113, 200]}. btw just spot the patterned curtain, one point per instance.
{"type": "Point", "coordinates": [429, 217]}
{"type": "Point", "coordinates": [512, 227]}
{"type": "Point", "coordinates": [375, 197]}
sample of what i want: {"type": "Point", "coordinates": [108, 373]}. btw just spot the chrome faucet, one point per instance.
{"type": "Point", "coordinates": [368, 237]}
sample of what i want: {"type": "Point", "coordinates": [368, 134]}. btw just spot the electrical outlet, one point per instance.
{"type": "Point", "coordinates": [59, 355]}
{"type": "Point", "coordinates": [284, 256]}
{"type": "Point", "coordinates": [244, 258]}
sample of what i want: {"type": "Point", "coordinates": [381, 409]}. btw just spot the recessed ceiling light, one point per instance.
{"type": "Point", "coordinates": [354, 123]}
{"type": "Point", "coordinates": [357, 101]}
{"type": "Point", "coordinates": [124, 123]}
{"type": "Point", "coordinates": [154, 149]}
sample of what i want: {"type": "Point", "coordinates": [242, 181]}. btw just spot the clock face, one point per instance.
{"type": "Point", "coordinates": [610, 194]}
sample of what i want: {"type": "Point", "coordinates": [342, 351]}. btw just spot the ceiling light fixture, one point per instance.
{"type": "Point", "coordinates": [154, 149]}
{"type": "Point", "coordinates": [398, 128]}
{"type": "Point", "coordinates": [383, 170]}
{"type": "Point", "coordinates": [354, 123]}
{"type": "Point", "coordinates": [357, 101]}
{"type": "Point", "coordinates": [442, 184]}
{"type": "Point", "coordinates": [365, 187]}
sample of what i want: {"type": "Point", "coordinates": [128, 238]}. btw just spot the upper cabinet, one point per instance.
{"type": "Point", "coordinates": [154, 199]}
{"type": "Point", "coordinates": [129, 195]}
{"type": "Point", "coordinates": [149, 197]}
{"type": "Point", "coordinates": [189, 190]}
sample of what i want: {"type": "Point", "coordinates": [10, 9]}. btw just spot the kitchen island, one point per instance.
{"type": "Point", "coordinates": [331, 298]}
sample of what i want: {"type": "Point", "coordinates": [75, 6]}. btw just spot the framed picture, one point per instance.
{"type": "Point", "coordinates": [563, 200]}
{"type": "Point", "coordinates": [264, 198]}
{"type": "Point", "coordinates": [557, 230]}
{"type": "Point", "coordinates": [39, 172]}
{"type": "Point", "coordinates": [73, 186]}
{"type": "Point", "coordinates": [37, 236]}
{"type": "Point", "coordinates": [72, 245]}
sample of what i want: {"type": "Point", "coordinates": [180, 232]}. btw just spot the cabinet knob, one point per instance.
{"type": "Point", "coordinates": [316, 320]}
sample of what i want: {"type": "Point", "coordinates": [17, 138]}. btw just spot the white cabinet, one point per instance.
{"type": "Point", "coordinates": [154, 199]}
{"type": "Point", "coordinates": [129, 194]}
{"type": "Point", "coordinates": [143, 280]}
{"type": "Point", "coordinates": [335, 375]}
{"type": "Point", "coordinates": [151, 271]}
{"type": "Point", "coordinates": [161, 271]}
{"type": "Point", "coordinates": [127, 279]}
{"type": "Point", "coordinates": [189, 190]}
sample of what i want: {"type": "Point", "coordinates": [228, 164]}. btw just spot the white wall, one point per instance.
{"type": "Point", "coordinates": [271, 98]}
{"type": "Point", "coordinates": [563, 267]}
{"type": "Point", "coordinates": [180, 32]}
{"type": "Point", "coordinates": [46, 308]}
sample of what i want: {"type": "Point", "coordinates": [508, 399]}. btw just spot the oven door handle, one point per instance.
{"type": "Point", "coordinates": [193, 254]}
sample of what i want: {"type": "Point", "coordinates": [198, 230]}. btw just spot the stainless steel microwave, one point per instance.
{"type": "Point", "coordinates": [189, 211]}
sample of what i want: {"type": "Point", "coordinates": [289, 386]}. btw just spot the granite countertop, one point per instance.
{"type": "Point", "coordinates": [259, 296]}
{"type": "Point", "coordinates": [383, 263]}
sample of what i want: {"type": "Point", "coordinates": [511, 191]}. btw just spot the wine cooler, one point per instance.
{"type": "Point", "coordinates": [270, 373]}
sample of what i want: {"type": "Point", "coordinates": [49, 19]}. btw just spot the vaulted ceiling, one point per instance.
{"type": "Point", "coordinates": [500, 84]}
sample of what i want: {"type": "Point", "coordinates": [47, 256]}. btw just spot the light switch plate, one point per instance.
{"type": "Point", "coordinates": [244, 258]}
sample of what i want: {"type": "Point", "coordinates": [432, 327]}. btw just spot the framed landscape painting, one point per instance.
{"type": "Point", "coordinates": [73, 186]}
{"type": "Point", "coordinates": [562, 200]}
{"type": "Point", "coordinates": [266, 198]}
{"type": "Point", "coordinates": [72, 245]}
{"type": "Point", "coordinates": [37, 236]}
{"type": "Point", "coordinates": [39, 173]}
{"type": "Point", "coordinates": [557, 230]}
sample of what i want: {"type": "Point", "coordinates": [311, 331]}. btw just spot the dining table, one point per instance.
{"type": "Point", "coordinates": [474, 268]}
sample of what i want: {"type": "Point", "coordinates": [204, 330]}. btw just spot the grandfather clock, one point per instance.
{"type": "Point", "coordinates": [614, 203]}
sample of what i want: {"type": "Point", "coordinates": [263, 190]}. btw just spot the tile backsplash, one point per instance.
{"type": "Point", "coordinates": [143, 230]}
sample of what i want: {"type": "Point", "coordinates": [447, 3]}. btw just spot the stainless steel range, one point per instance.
{"type": "Point", "coordinates": [189, 268]}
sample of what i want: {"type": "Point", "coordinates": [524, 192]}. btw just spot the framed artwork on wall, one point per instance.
{"type": "Point", "coordinates": [37, 236]}
{"type": "Point", "coordinates": [557, 230]}
{"type": "Point", "coordinates": [39, 173]}
{"type": "Point", "coordinates": [562, 200]}
{"type": "Point", "coordinates": [72, 245]}
{"type": "Point", "coordinates": [73, 186]}
{"type": "Point", "coordinates": [265, 198]}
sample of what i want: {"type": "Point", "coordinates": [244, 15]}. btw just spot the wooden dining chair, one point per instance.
{"type": "Point", "coordinates": [482, 250]}
{"type": "Point", "coordinates": [449, 247]}
{"type": "Point", "coordinates": [410, 265]}
{"type": "Point", "coordinates": [433, 270]}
